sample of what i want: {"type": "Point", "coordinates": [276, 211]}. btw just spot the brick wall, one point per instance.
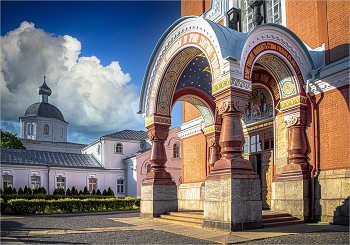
{"type": "Point", "coordinates": [189, 112]}
{"type": "Point", "coordinates": [332, 129]}
{"type": "Point", "coordinates": [302, 19]}
{"type": "Point", "coordinates": [193, 159]}
{"type": "Point", "coordinates": [338, 29]}
{"type": "Point", "coordinates": [190, 8]}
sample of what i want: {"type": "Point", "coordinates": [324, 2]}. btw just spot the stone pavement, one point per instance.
{"type": "Point", "coordinates": [133, 226]}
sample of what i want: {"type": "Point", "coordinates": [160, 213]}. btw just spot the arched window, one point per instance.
{"type": "Point", "coordinates": [119, 148]}
{"type": "Point", "coordinates": [46, 129]}
{"type": "Point", "coordinates": [61, 132]}
{"type": "Point", "coordinates": [176, 150]}
{"type": "Point", "coordinates": [148, 167]}
{"type": "Point", "coordinates": [29, 132]}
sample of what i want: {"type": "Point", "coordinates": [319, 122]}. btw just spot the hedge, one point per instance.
{"type": "Point", "coordinates": [3, 205]}
{"type": "Point", "coordinates": [36, 206]}
{"type": "Point", "coordinates": [51, 197]}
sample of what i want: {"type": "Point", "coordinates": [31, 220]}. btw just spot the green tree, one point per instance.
{"type": "Point", "coordinates": [9, 140]}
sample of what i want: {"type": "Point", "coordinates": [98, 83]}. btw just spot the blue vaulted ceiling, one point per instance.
{"type": "Point", "coordinates": [197, 74]}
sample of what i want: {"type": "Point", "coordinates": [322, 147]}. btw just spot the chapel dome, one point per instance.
{"type": "Point", "coordinates": [42, 109]}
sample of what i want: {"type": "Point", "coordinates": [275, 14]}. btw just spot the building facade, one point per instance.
{"type": "Point", "coordinates": [265, 110]}
{"type": "Point", "coordinates": [138, 165]}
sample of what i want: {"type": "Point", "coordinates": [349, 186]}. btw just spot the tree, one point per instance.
{"type": "Point", "coordinates": [93, 192]}
{"type": "Point", "coordinates": [110, 192]}
{"type": "Point", "coordinates": [104, 193]}
{"type": "Point", "coordinates": [20, 191]}
{"type": "Point", "coordinates": [68, 192]}
{"type": "Point", "coordinates": [98, 192]}
{"type": "Point", "coordinates": [9, 140]}
{"type": "Point", "coordinates": [74, 192]}
{"type": "Point", "coordinates": [86, 192]}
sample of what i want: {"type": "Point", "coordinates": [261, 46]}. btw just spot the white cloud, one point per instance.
{"type": "Point", "coordinates": [88, 94]}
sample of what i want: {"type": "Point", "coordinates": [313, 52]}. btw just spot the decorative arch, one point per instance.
{"type": "Point", "coordinates": [183, 41]}
{"type": "Point", "coordinates": [283, 54]}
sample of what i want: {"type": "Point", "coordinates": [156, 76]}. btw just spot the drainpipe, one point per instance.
{"type": "Point", "coordinates": [314, 168]}
{"type": "Point", "coordinates": [48, 179]}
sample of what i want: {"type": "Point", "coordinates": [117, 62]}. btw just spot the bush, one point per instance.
{"type": "Point", "coordinates": [110, 192]}
{"type": "Point", "coordinates": [27, 190]}
{"type": "Point", "coordinates": [68, 192]}
{"type": "Point", "coordinates": [14, 191]}
{"type": "Point", "coordinates": [3, 205]}
{"type": "Point", "coordinates": [80, 192]}
{"type": "Point", "coordinates": [98, 192]}
{"type": "Point", "coordinates": [35, 191]}
{"type": "Point", "coordinates": [8, 190]}
{"type": "Point", "coordinates": [22, 206]}
{"type": "Point", "coordinates": [74, 191]}
{"type": "Point", "coordinates": [86, 191]}
{"type": "Point", "coordinates": [93, 193]}
{"type": "Point", "coordinates": [104, 193]}
{"type": "Point", "coordinates": [42, 190]}
{"type": "Point", "coordinates": [20, 191]}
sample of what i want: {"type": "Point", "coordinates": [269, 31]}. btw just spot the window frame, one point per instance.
{"type": "Point", "coordinates": [36, 182]}
{"type": "Point", "coordinates": [176, 150]}
{"type": "Point", "coordinates": [46, 129]}
{"type": "Point", "coordinates": [120, 145]}
{"type": "Point", "coordinates": [120, 186]}
{"type": "Point", "coordinates": [64, 183]}
{"type": "Point", "coordinates": [92, 184]}
{"type": "Point", "coordinates": [7, 181]}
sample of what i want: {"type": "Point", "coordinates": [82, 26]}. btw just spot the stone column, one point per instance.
{"type": "Point", "coordinates": [291, 190]}
{"type": "Point", "coordinates": [158, 191]}
{"type": "Point", "coordinates": [212, 139]}
{"type": "Point", "coordinates": [257, 17]}
{"type": "Point", "coordinates": [232, 190]}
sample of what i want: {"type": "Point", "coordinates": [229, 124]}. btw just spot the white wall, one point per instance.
{"type": "Point", "coordinates": [113, 160]}
{"type": "Point", "coordinates": [77, 177]}
{"type": "Point", "coordinates": [67, 147]}
{"type": "Point", "coordinates": [38, 133]}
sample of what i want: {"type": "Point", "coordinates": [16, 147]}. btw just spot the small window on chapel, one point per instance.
{"type": "Point", "coordinates": [46, 129]}
{"type": "Point", "coordinates": [119, 148]}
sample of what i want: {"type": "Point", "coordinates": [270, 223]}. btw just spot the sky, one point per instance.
{"type": "Point", "coordinates": [93, 54]}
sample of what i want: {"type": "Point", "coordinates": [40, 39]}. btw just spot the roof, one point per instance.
{"type": "Point", "coordinates": [138, 153]}
{"type": "Point", "coordinates": [129, 134]}
{"type": "Point", "coordinates": [39, 158]}
{"type": "Point", "coordinates": [43, 109]}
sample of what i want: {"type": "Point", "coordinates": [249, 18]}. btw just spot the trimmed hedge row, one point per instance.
{"type": "Point", "coordinates": [51, 197]}
{"type": "Point", "coordinates": [36, 206]}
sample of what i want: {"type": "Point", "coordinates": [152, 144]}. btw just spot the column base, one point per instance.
{"type": "Point", "coordinates": [293, 197]}
{"type": "Point", "coordinates": [158, 199]}
{"type": "Point", "coordinates": [233, 204]}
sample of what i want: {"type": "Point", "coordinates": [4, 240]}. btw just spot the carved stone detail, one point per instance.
{"type": "Point", "coordinates": [214, 151]}
{"type": "Point", "coordinates": [257, 17]}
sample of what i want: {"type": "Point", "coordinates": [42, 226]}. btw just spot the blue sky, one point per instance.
{"type": "Point", "coordinates": [112, 35]}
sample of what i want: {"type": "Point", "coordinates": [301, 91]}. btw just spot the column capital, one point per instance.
{"type": "Point", "coordinates": [158, 131]}
{"type": "Point", "coordinates": [296, 118]}
{"type": "Point", "coordinates": [232, 100]}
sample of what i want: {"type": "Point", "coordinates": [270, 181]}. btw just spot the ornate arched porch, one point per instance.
{"type": "Point", "coordinates": [232, 189]}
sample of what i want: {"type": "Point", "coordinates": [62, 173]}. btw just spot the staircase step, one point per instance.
{"type": "Point", "coordinates": [178, 222]}
{"type": "Point", "coordinates": [284, 223]}
{"type": "Point", "coordinates": [279, 219]}
{"type": "Point", "coordinates": [198, 215]}
{"type": "Point", "coordinates": [182, 218]}
{"type": "Point", "coordinates": [268, 216]}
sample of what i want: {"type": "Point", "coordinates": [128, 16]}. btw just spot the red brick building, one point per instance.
{"type": "Point", "coordinates": [264, 81]}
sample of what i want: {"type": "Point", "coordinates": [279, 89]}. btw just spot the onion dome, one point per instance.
{"type": "Point", "coordinates": [44, 89]}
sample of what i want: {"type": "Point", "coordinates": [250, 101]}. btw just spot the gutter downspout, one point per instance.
{"type": "Point", "coordinates": [314, 168]}
{"type": "Point", "coordinates": [48, 179]}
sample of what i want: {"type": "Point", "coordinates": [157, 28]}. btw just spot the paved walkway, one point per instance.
{"type": "Point", "coordinates": [128, 228]}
